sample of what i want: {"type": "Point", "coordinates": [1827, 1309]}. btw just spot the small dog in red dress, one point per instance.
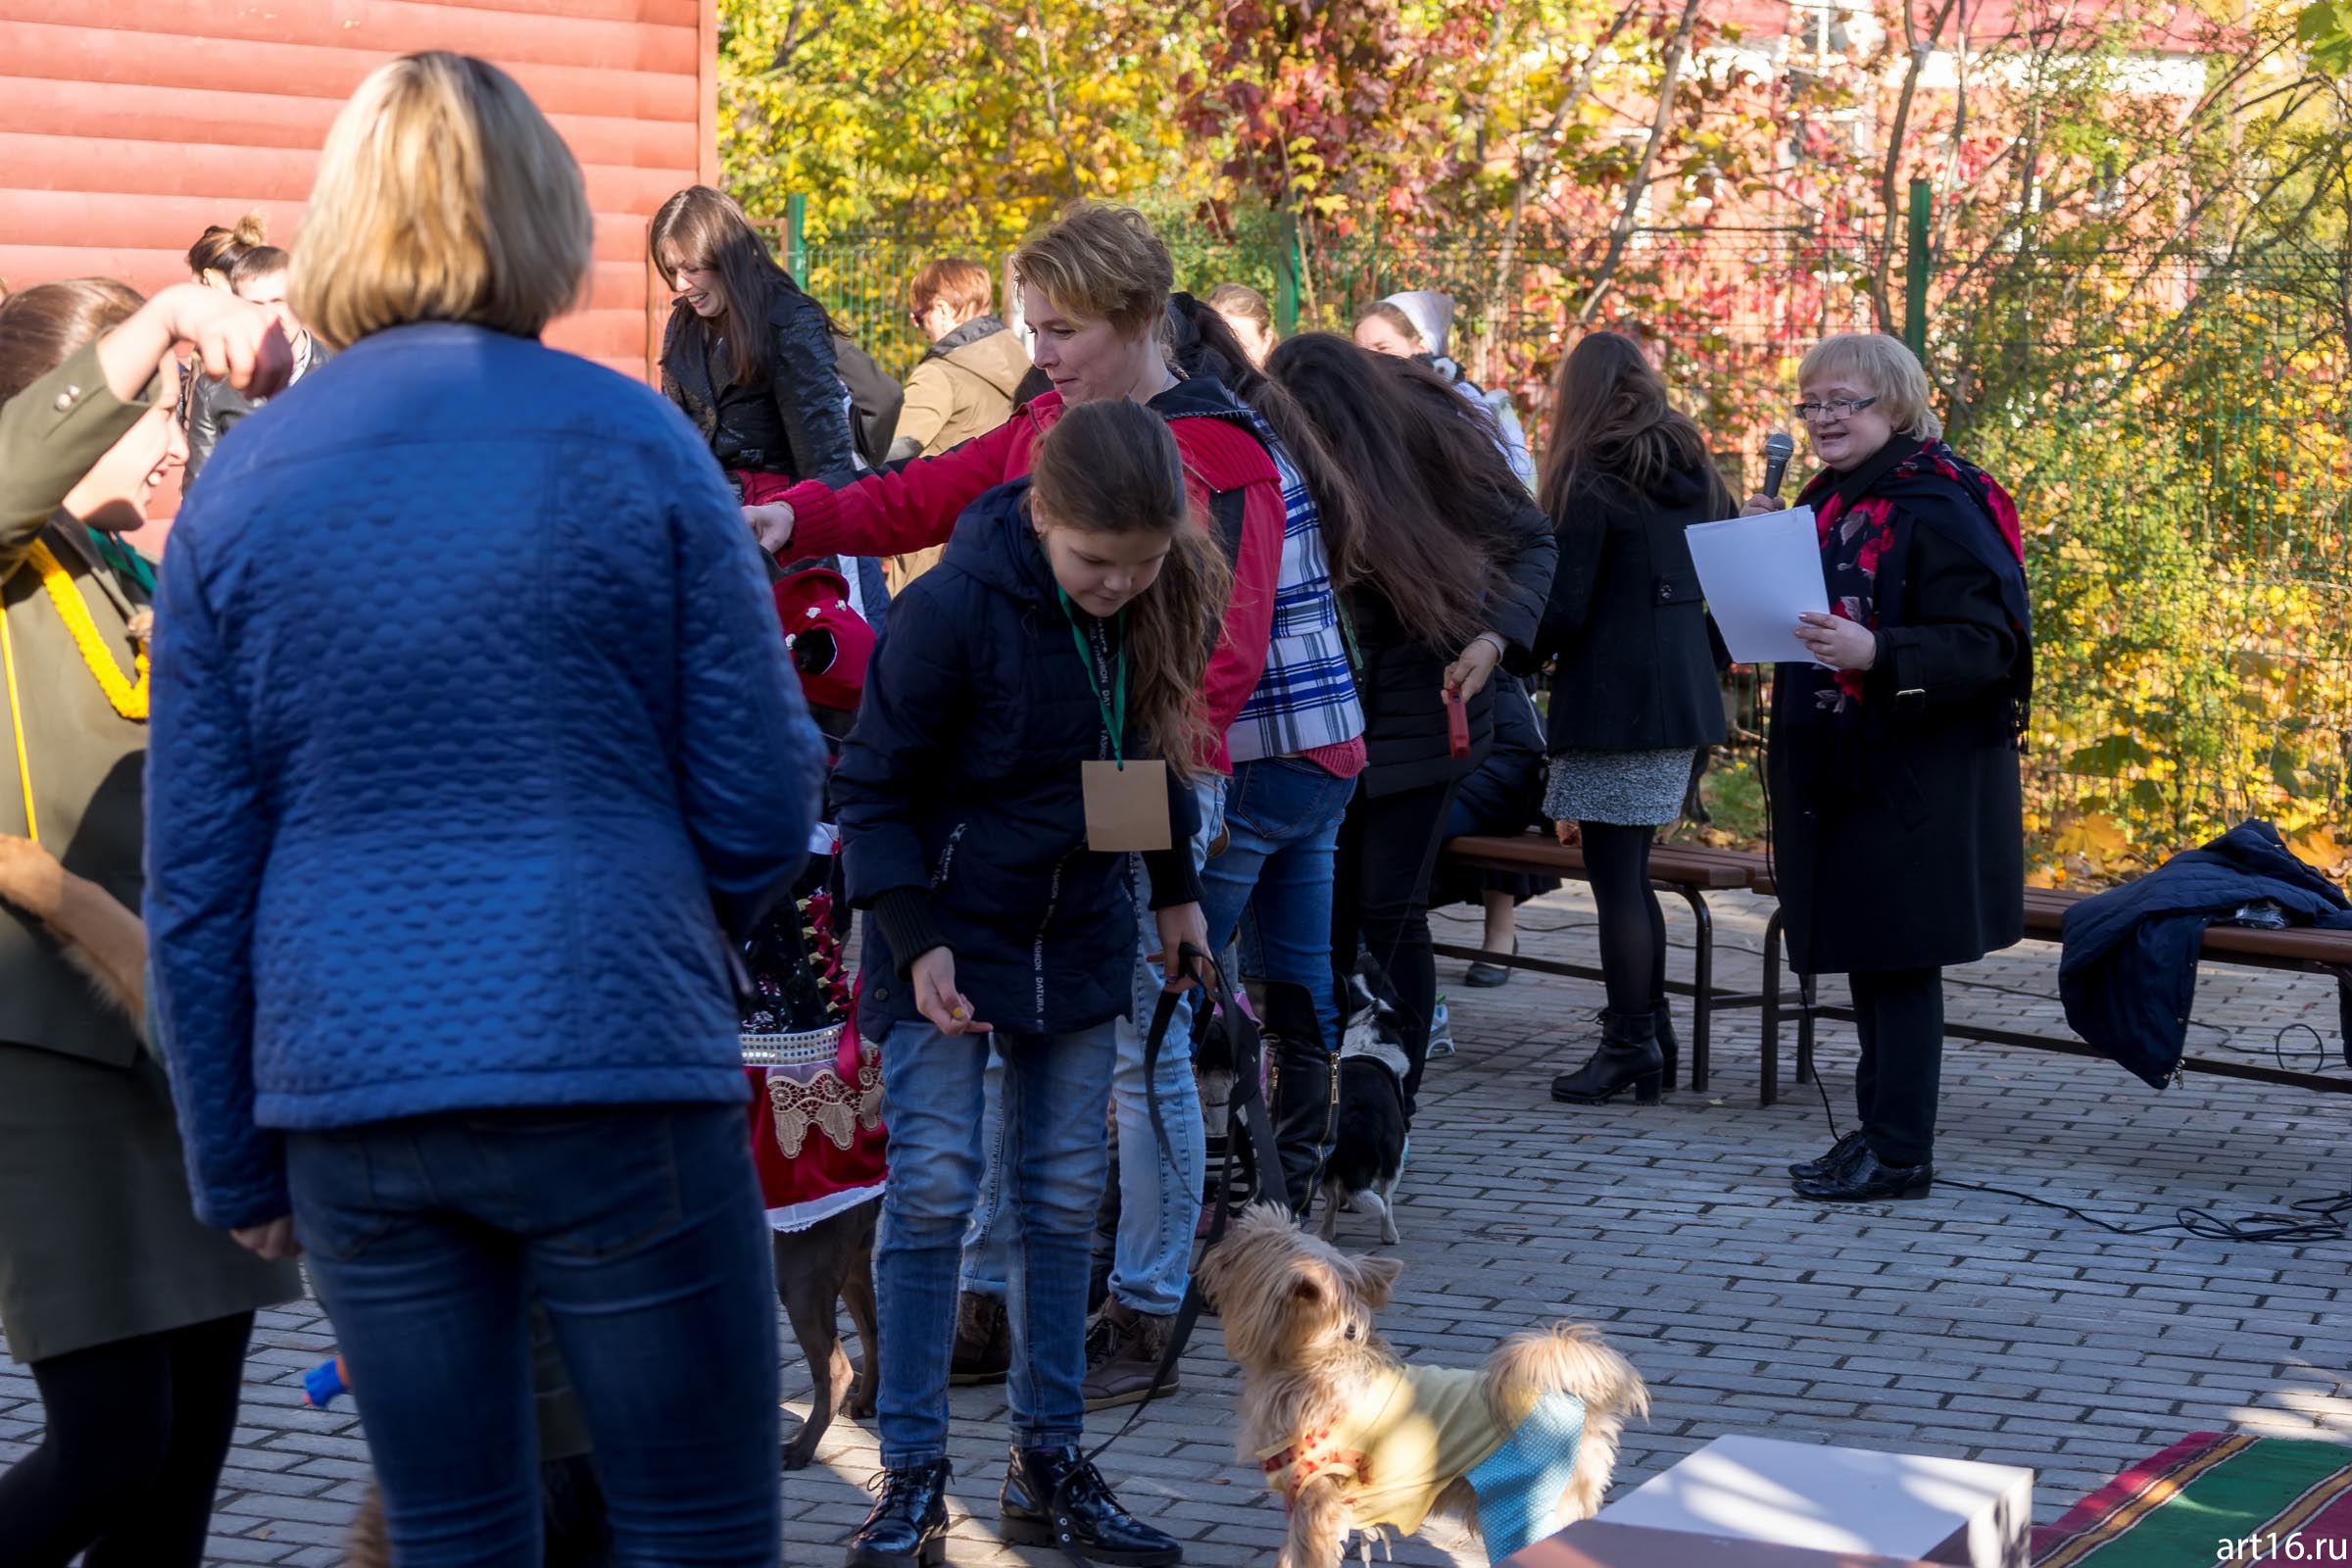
{"type": "Point", "coordinates": [816, 1134]}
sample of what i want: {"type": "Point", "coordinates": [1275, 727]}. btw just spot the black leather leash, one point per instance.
{"type": "Point", "coordinates": [1246, 1115]}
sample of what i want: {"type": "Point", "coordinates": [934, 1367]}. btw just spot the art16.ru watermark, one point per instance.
{"type": "Point", "coordinates": [2276, 1548]}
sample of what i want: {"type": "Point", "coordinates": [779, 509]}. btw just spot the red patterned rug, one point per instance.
{"type": "Point", "coordinates": [2214, 1499]}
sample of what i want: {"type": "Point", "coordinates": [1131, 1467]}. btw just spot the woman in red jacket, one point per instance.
{"type": "Point", "coordinates": [1279, 698]}
{"type": "Point", "coordinates": [1093, 293]}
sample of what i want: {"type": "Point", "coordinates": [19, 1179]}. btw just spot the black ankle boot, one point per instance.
{"type": "Point", "coordinates": [1307, 1090]}
{"type": "Point", "coordinates": [1056, 1497]}
{"type": "Point", "coordinates": [1628, 1054]}
{"type": "Point", "coordinates": [1867, 1179]}
{"type": "Point", "coordinates": [1841, 1153]}
{"type": "Point", "coordinates": [909, 1526]}
{"type": "Point", "coordinates": [1670, 1049]}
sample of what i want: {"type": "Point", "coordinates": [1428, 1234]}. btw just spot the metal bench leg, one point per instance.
{"type": "Point", "coordinates": [1703, 989]}
{"type": "Point", "coordinates": [1770, 1090]}
{"type": "Point", "coordinates": [1808, 1003]}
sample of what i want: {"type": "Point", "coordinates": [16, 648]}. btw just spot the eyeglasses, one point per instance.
{"type": "Point", "coordinates": [1837, 408]}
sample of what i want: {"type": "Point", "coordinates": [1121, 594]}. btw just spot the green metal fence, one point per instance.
{"type": "Point", "coordinates": [2177, 428]}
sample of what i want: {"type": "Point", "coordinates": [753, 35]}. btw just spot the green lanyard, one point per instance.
{"type": "Point", "coordinates": [1115, 711]}
{"type": "Point", "coordinates": [128, 563]}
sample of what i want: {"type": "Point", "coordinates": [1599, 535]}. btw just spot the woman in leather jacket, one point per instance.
{"type": "Point", "coordinates": [747, 356]}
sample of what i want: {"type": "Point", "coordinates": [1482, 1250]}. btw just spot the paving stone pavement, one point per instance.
{"type": "Point", "coordinates": [1969, 1324]}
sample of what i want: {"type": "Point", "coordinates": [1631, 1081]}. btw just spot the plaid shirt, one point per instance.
{"type": "Point", "coordinates": [1306, 698]}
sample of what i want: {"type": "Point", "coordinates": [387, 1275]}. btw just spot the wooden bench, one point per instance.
{"type": "Point", "coordinates": [1691, 871]}
{"type": "Point", "coordinates": [2301, 949]}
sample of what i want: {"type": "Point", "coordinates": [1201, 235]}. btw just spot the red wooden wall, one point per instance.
{"type": "Point", "coordinates": [127, 125]}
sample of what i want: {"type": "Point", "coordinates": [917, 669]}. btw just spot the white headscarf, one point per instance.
{"type": "Point", "coordinates": [1432, 315]}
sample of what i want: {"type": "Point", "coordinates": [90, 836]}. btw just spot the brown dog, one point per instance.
{"type": "Point", "coordinates": [1353, 1439]}
{"type": "Point", "coordinates": [98, 935]}
{"type": "Point", "coordinates": [819, 1270]}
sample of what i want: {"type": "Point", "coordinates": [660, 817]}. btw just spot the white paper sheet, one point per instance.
{"type": "Point", "coordinates": [1759, 574]}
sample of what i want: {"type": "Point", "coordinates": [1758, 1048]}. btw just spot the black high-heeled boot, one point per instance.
{"type": "Point", "coordinates": [1628, 1058]}
{"type": "Point", "coordinates": [1056, 1497]}
{"type": "Point", "coordinates": [1670, 1049]}
{"type": "Point", "coordinates": [909, 1527]}
{"type": "Point", "coordinates": [1305, 1099]}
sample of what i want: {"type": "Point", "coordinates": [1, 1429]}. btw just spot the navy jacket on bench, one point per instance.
{"type": "Point", "coordinates": [2128, 969]}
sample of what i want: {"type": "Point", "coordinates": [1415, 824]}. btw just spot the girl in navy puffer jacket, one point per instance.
{"type": "Point", "coordinates": [1056, 651]}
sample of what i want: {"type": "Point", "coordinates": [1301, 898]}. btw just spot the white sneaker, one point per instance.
{"type": "Point", "coordinates": [1440, 1031]}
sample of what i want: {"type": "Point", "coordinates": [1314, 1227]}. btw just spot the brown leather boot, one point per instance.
{"type": "Point", "coordinates": [1123, 1348]}
{"type": "Point", "coordinates": [983, 1342]}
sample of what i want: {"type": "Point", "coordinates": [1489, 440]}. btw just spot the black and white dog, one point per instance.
{"type": "Point", "coordinates": [1368, 1144]}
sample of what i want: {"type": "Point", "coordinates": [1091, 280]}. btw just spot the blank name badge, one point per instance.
{"type": "Point", "coordinates": [1126, 807]}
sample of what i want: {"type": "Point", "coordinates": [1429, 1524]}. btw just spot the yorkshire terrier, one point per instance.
{"type": "Point", "coordinates": [1352, 1439]}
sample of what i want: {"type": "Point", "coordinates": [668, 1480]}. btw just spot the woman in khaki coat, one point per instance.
{"type": "Point", "coordinates": [133, 1316]}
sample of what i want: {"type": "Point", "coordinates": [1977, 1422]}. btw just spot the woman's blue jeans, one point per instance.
{"type": "Point", "coordinates": [1055, 1090]}
{"type": "Point", "coordinates": [640, 1229]}
{"type": "Point", "coordinates": [1282, 819]}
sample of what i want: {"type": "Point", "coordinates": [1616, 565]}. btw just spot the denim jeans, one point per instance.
{"type": "Point", "coordinates": [1282, 818]}
{"type": "Point", "coordinates": [639, 1229]}
{"type": "Point", "coordinates": [1055, 1090]}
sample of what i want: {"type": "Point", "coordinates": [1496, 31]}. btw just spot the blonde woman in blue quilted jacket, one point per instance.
{"type": "Point", "coordinates": [477, 744]}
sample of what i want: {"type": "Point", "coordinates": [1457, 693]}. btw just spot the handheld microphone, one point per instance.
{"type": "Point", "coordinates": [1778, 450]}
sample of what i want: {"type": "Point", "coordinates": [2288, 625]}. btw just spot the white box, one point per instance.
{"type": "Point", "coordinates": [1842, 1499]}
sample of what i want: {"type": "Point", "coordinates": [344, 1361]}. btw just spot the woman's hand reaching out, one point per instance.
{"type": "Point", "coordinates": [771, 526]}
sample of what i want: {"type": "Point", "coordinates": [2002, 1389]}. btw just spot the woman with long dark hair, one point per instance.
{"type": "Point", "coordinates": [747, 356]}
{"type": "Point", "coordinates": [1442, 564]}
{"type": "Point", "coordinates": [1635, 694]}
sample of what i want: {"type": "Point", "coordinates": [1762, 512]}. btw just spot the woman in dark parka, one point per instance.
{"type": "Point", "coordinates": [1893, 759]}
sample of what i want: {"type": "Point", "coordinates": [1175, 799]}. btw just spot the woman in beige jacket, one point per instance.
{"type": "Point", "coordinates": [133, 1316]}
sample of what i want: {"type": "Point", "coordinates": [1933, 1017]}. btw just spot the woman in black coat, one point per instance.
{"type": "Point", "coordinates": [1897, 824]}
{"type": "Point", "coordinates": [747, 356]}
{"type": "Point", "coordinates": [1442, 562]}
{"type": "Point", "coordinates": [1634, 695]}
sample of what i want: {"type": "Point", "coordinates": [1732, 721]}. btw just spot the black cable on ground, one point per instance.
{"type": "Point", "coordinates": [2307, 1220]}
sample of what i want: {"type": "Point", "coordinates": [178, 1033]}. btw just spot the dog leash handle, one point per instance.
{"type": "Point", "coordinates": [1245, 1114]}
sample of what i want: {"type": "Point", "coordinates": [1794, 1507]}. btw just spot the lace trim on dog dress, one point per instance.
{"type": "Point", "coordinates": [817, 1110]}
